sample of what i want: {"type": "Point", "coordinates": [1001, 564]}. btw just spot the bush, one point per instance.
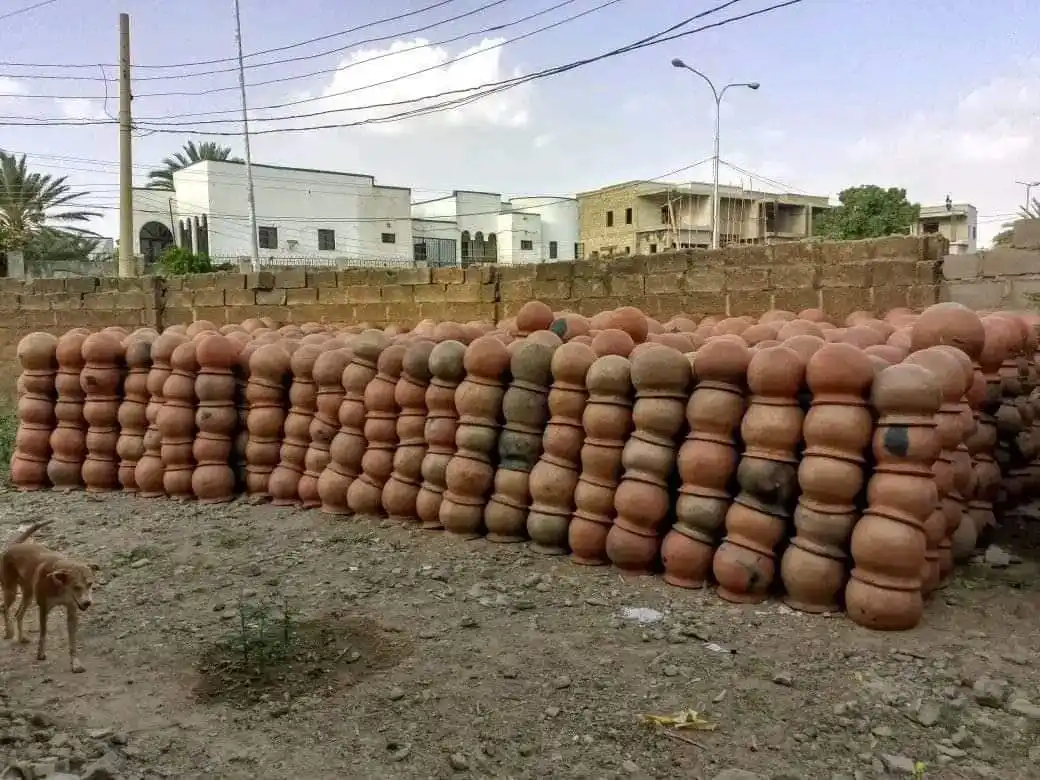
{"type": "Point", "coordinates": [178, 261]}
{"type": "Point", "coordinates": [8, 429]}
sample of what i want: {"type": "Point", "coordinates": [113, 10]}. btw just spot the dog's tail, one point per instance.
{"type": "Point", "coordinates": [28, 532]}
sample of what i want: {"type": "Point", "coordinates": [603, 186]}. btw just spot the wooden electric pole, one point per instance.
{"type": "Point", "coordinates": [127, 262]}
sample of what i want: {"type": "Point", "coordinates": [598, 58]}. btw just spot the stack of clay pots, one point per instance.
{"type": "Point", "coordinates": [836, 465]}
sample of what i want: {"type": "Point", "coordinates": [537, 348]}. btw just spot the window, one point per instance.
{"type": "Point", "coordinates": [526, 246]}
{"type": "Point", "coordinates": [577, 251]}
{"type": "Point", "coordinates": [628, 250]}
{"type": "Point", "coordinates": [972, 232]}
{"type": "Point", "coordinates": [267, 237]}
{"type": "Point", "coordinates": [653, 249]}
{"type": "Point", "coordinates": [326, 239]}
{"type": "Point", "coordinates": [666, 215]}
{"type": "Point", "coordinates": [553, 250]}
{"type": "Point", "coordinates": [388, 238]}
{"type": "Point", "coordinates": [930, 227]}
{"type": "Point", "coordinates": [628, 216]}
{"type": "Point", "coordinates": [610, 219]}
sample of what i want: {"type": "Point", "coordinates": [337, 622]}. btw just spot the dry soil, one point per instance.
{"type": "Point", "coordinates": [243, 641]}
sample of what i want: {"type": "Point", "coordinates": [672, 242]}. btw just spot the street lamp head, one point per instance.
{"type": "Point", "coordinates": [677, 63]}
{"type": "Point", "coordinates": [753, 85]}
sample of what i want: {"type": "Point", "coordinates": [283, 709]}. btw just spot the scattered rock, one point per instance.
{"type": "Point", "coordinates": [896, 763]}
{"type": "Point", "coordinates": [928, 713]}
{"type": "Point", "coordinates": [396, 693]}
{"type": "Point", "coordinates": [996, 558]}
{"type": "Point", "coordinates": [784, 679]}
{"type": "Point", "coordinates": [561, 682]}
{"type": "Point", "coordinates": [989, 692]}
{"type": "Point", "coordinates": [458, 762]}
{"type": "Point", "coordinates": [1025, 708]}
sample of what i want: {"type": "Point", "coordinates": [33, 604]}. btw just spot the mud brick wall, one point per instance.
{"type": "Point", "coordinates": [838, 277]}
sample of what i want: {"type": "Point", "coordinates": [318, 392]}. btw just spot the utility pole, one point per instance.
{"type": "Point", "coordinates": [1029, 191]}
{"type": "Point", "coordinates": [250, 196]}
{"type": "Point", "coordinates": [127, 262]}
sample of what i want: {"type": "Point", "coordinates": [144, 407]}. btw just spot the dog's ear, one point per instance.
{"type": "Point", "coordinates": [60, 577]}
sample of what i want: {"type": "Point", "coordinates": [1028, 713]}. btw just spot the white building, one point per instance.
{"type": "Point", "coordinates": [488, 229]}
{"type": "Point", "coordinates": [303, 216]}
{"type": "Point", "coordinates": [312, 217]}
{"type": "Point", "coordinates": [957, 222]}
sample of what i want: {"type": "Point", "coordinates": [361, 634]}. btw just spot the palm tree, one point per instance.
{"type": "Point", "coordinates": [29, 201]}
{"type": "Point", "coordinates": [1029, 211]}
{"type": "Point", "coordinates": [162, 178]}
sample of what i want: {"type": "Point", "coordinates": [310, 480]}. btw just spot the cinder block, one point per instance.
{"type": "Point", "coordinates": [559, 289]}
{"type": "Point", "coordinates": [99, 301]}
{"type": "Point", "coordinates": [430, 293]}
{"type": "Point", "coordinates": [839, 252]}
{"type": "Point", "coordinates": [844, 275]}
{"type": "Point", "coordinates": [885, 298]}
{"type": "Point", "coordinates": [750, 278]}
{"type": "Point", "coordinates": [921, 296]}
{"type": "Point", "coordinates": [478, 274]}
{"type": "Point", "coordinates": [211, 298]}
{"type": "Point", "coordinates": [899, 272]}
{"type": "Point", "coordinates": [626, 285]}
{"type": "Point", "coordinates": [307, 312]}
{"type": "Point", "coordinates": [81, 285]}
{"type": "Point", "coordinates": [363, 294]}
{"type": "Point", "coordinates": [796, 298]}
{"type": "Point", "coordinates": [10, 301]}
{"type": "Point", "coordinates": [447, 276]}
{"type": "Point", "coordinates": [322, 279]}
{"type": "Point", "coordinates": [218, 315]}
{"type": "Point", "coordinates": [334, 295]}
{"type": "Point", "coordinates": [271, 297]}
{"type": "Point", "coordinates": [47, 286]}
{"type": "Point", "coordinates": [842, 301]}
{"type": "Point", "coordinates": [591, 287]}
{"type": "Point", "coordinates": [554, 272]}
{"type": "Point", "coordinates": [982, 294]}
{"type": "Point", "coordinates": [794, 253]}
{"type": "Point", "coordinates": [301, 296]}
{"type": "Point", "coordinates": [753, 302]}
{"type": "Point", "coordinates": [261, 280]}
{"type": "Point", "coordinates": [413, 276]}
{"type": "Point", "coordinates": [462, 293]}
{"type": "Point", "coordinates": [900, 247]}
{"type": "Point", "coordinates": [398, 292]}
{"type": "Point", "coordinates": [240, 297]}
{"type": "Point", "coordinates": [704, 277]}
{"type": "Point", "coordinates": [1006, 262]}
{"type": "Point", "coordinates": [793, 277]}
{"type": "Point", "coordinates": [664, 283]}
{"type": "Point", "coordinates": [671, 263]}
{"type": "Point", "coordinates": [131, 300]}
{"type": "Point", "coordinates": [519, 273]}
{"type": "Point", "coordinates": [290, 278]}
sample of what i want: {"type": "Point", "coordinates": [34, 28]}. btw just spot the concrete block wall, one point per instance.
{"type": "Point", "coordinates": [998, 278]}
{"type": "Point", "coordinates": [838, 277]}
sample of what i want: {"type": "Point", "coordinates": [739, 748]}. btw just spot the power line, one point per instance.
{"type": "Point", "coordinates": [301, 58]}
{"type": "Point", "coordinates": [26, 9]}
{"type": "Point", "coordinates": [171, 66]}
{"type": "Point", "coordinates": [476, 92]}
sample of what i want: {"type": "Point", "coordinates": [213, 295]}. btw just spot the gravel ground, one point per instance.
{"type": "Point", "coordinates": [396, 653]}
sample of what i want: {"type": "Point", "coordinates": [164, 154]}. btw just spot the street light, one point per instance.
{"type": "Point", "coordinates": [677, 63]}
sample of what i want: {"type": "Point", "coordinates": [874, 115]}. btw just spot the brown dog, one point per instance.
{"type": "Point", "coordinates": [49, 578]}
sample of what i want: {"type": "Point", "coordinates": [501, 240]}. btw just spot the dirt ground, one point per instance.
{"type": "Point", "coordinates": [245, 641]}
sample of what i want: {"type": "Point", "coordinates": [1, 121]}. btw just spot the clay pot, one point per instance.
{"type": "Point", "coordinates": [402, 489]}
{"type": "Point", "coordinates": [37, 354]}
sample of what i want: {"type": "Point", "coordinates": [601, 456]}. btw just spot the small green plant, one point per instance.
{"type": "Point", "coordinates": [266, 638]}
{"type": "Point", "coordinates": [8, 430]}
{"type": "Point", "coordinates": [178, 261]}
{"type": "Point", "coordinates": [919, 770]}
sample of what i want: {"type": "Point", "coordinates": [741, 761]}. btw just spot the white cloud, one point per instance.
{"type": "Point", "coordinates": [973, 149]}
{"type": "Point", "coordinates": [11, 86]}
{"type": "Point", "coordinates": [541, 141]}
{"type": "Point", "coordinates": [80, 108]}
{"type": "Point", "coordinates": [362, 75]}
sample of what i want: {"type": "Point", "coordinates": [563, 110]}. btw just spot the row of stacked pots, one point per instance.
{"type": "Point", "coordinates": [840, 466]}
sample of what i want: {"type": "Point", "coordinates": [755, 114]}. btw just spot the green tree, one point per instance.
{"type": "Point", "coordinates": [30, 204]}
{"type": "Point", "coordinates": [1029, 211]}
{"type": "Point", "coordinates": [162, 178]}
{"type": "Point", "coordinates": [868, 211]}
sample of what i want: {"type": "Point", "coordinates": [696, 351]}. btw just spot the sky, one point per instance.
{"type": "Point", "coordinates": [941, 97]}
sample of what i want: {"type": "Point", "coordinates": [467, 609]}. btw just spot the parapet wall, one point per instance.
{"type": "Point", "coordinates": [839, 277]}
{"type": "Point", "coordinates": [998, 278]}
